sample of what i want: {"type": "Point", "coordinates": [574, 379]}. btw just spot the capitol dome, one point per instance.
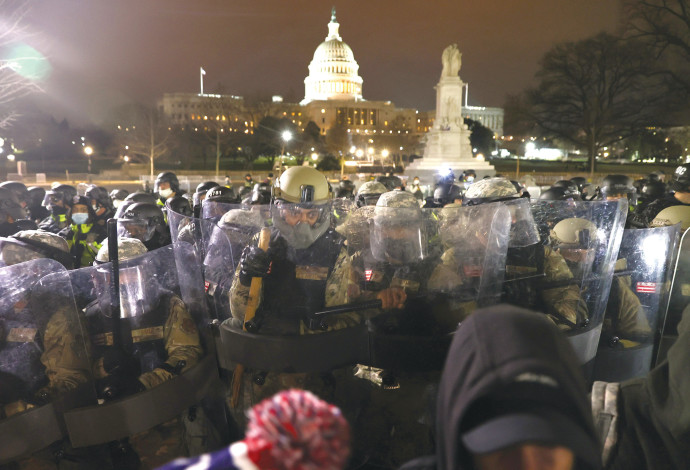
{"type": "Point", "coordinates": [333, 70]}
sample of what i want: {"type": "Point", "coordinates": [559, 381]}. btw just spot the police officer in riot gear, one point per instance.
{"type": "Point", "coordinates": [680, 196]}
{"type": "Point", "coordinates": [59, 202]}
{"type": "Point", "coordinates": [162, 341]}
{"type": "Point", "coordinates": [369, 193]}
{"type": "Point", "coordinates": [200, 195]}
{"type": "Point", "coordinates": [166, 186]}
{"type": "Point", "coordinates": [36, 210]}
{"type": "Point", "coordinates": [117, 196]}
{"type": "Point", "coordinates": [300, 276]}
{"type": "Point", "coordinates": [146, 223]}
{"type": "Point", "coordinates": [20, 190]}
{"type": "Point", "coordinates": [101, 204]}
{"type": "Point", "coordinates": [13, 217]}
{"type": "Point", "coordinates": [84, 235]}
{"type": "Point", "coordinates": [615, 187]}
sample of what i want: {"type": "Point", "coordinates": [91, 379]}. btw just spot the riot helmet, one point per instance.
{"type": "Point", "coordinates": [27, 245]}
{"type": "Point", "coordinates": [166, 184]}
{"type": "Point", "coordinates": [447, 194]}
{"type": "Point", "coordinates": [580, 181]}
{"type": "Point", "coordinates": [201, 190]}
{"type": "Point", "coordinates": [490, 190]}
{"type": "Point", "coordinates": [681, 179]}
{"type": "Point", "coordinates": [117, 196]}
{"type": "Point", "coordinates": [446, 176]}
{"type": "Point", "coordinates": [261, 194]}
{"type": "Point", "coordinates": [391, 182]}
{"type": "Point", "coordinates": [36, 195]}
{"type": "Point", "coordinates": [11, 211]}
{"type": "Point", "coordinates": [618, 187]}
{"type": "Point", "coordinates": [397, 235]}
{"type": "Point", "coordinates": [369, 193]}
{"type": "Point", "coordinates": [139, 196]}
{"type": "Point", "coordinates": [559, 194]}
{"type": "Point", "coordinates": [671, 216]}
{"type": "Point", "coordinates": [575, 239]}
{"type": "Point", "coordinates": [145, 222]}
{"type": "Point", "coordinates": [346, 188]}
{"type": "Point", "coordinates": [58, 200]}
{"type": "Point", "coordinates": [19, 189]}
{"type": "Point", "coordinates": [100, 199]}
{"type": "Point", "coordinates": [570, 188]}
{"type": "Point", "coordinates": [652, 190]}
{"type": "Point", "coordinates": [301, 205]}
{"type": "Point", "coordinates": [179, 205]}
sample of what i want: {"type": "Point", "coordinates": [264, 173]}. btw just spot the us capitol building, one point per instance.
{"type": "Point", "coordinates": [332, 98]}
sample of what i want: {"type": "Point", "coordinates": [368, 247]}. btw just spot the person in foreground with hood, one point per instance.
{"type": "Point", "coordinates": [512, 396]}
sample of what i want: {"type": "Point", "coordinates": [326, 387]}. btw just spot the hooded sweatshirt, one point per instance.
{"type": "Point", "coordinates": [492, 352]}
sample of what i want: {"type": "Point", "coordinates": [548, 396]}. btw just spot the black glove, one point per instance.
{"type": "Point", "coordinates": [117, 362]}
{"type": "Point", "coordinates": [118, 386]}
{"type": "Point", "coordinates": [254, 262]}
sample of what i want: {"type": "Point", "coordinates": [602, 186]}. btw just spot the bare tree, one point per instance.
{"type": "Point", "coordinates": [595, 92]}
{"type": "Point", "coordinates": [15, 82]}
{"type": "Point", "coordinates": [665, 26]}
{"type": "Point", "coordinates": [143, 133]}
{"type": "Point", "coordinates": [222, 109]}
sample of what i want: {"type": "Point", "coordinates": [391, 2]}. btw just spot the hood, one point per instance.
{"type": "Point", "coordinates": [506, 348]}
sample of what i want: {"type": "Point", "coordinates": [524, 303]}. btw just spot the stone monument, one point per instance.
{"type": "Point", "coordinates": [448, 141]}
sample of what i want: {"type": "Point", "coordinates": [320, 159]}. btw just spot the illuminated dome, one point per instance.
{"type": "Point", "coordinates": [333, 70]}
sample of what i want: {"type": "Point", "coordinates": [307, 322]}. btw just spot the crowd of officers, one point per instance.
{"type": "Point", "coordinates": [308, 260]}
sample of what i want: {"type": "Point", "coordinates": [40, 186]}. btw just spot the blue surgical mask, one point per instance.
{"type": "Point", "coordinates": [80, 218]}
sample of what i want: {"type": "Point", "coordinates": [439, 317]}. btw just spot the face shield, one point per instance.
{"type": "Point", "coordinates": [134, 300]}
{"type": "Point", "coordinates": [301, 224]}
{"type": "Point", "coordinates": [396, 235]}
{"type": "Point", "coordinates": [142, 230]}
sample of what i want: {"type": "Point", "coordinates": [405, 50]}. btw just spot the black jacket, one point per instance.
{"type": "Point", "coordinates": [489, 351]}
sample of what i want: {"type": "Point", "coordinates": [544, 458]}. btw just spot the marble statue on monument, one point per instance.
{"type": "Point", "coordinates": [448, 141]}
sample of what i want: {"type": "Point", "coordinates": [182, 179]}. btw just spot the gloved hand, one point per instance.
{"type": "Point", "coordinates": [117, 362]}
{"type": "Point", "coordinates": [118, 386]}
{"type": "Point", "coordinates": [254, 262]}
{"type": "Point", "coordinates": [393, 297]}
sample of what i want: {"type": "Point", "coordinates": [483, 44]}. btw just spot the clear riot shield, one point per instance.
{"type": "Point", "coordinates": [149, 356]}
{"type": "Point", "coordinates": [44, 367]}
{"type": "Point", "coordinates": [215, 210]}
{"type": "Point", "coordinates": [637, 303]}
{"type": "Point", "coordinates": [302, 322]}
{"type": "Point", "coordinates": [679, 297]}
{"type": "Point", "coordinates": [227, 239]}
{"type": "Point", "coordinates": [577, 262]}
{"type": "Point", "coordinates": [428, 269]}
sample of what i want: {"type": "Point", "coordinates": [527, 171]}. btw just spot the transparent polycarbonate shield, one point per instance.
{"type": "Point", "coordinates": [228, 238]}
{"type": "Point", "coordinates": [44, 366]}
{"type": "Point", "coordinates": [637, 303]}
{"type": "Point", "coordinates": [577, 263]}
{"type": "Point", "coordinates": [433, 264]}
{"type": "Point", "coordinates": [342, 208]}
{"type": "Point", "coordinates": [215, 210]}
{"type": "Point", "coordinates": [679, 297]}
{"type": "Point", "coordinates": [142, 230]}
{"type": "Point", "coordinates": [151, 357]}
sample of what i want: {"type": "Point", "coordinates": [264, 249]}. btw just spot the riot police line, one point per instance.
{"type": "Point", "coordinates": [449, 261]}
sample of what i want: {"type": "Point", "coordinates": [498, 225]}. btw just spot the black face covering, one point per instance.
{"type": "Point", "coordinates": [57, 210]}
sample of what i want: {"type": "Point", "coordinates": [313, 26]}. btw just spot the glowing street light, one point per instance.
{"type": "Point", "coordinates": [10, 157]}
{"type": "Point", "coordinates": [88, 150]}
{"type": "Point", "coordinates": [359, 153]}
{"type": "Point", "coordinates": [287, 137]}
{"type": "Point", "coordinates": [314, 156]}
{"type": "Point", "coordinates": [384, 153]}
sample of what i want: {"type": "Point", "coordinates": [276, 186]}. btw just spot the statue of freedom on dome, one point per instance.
{"type": "Point", "coordinates": [452, 61]}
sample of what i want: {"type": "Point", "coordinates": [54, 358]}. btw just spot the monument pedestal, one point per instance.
{"type": "Point", "coordinates": [448, 141]}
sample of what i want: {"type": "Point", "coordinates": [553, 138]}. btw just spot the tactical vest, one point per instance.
{"type": "Point", "coordinates": [147, 332]}
{"type": "Point", "coordinates": [296, 286]}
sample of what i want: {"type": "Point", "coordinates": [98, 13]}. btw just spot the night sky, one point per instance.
{"type": "Point", "coordinates": [106, 52]}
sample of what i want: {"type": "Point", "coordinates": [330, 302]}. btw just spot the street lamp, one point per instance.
{"type": "Point", "coordinates": [286, 136]}
{"type": "Point", "coordinates": [88, 150]}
